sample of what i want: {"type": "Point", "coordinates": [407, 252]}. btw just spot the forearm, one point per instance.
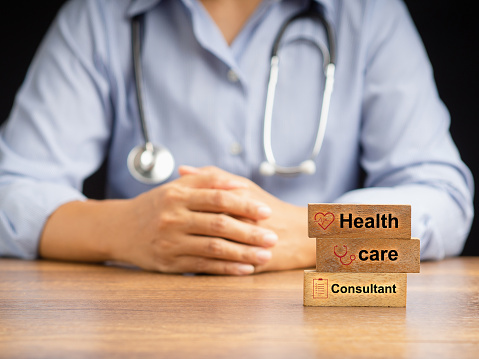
{"type": "Point", "coordinates": [438, 218]}
{"type": "Point", "coordinates": [85, 231]}
{"type": "Point", "coordinates": [176, 228]}
{"type": "Point", "coordinates": [25, 206]}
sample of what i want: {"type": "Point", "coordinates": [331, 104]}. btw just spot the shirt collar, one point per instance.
{"type": "Point", "coordinates": [137, 7]}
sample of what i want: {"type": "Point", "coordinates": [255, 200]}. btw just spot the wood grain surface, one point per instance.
{"type": "Point", "coordinates": [378, 255]}
{"type": "Point", "coordinates": [354, 289]}
{"type": "Point", "coordinates": [61, 310]}
{"type": "Point", "coordinates": [331, 220]}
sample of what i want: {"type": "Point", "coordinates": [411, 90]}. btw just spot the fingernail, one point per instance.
{"type": "Point", "coordinates": [263, 256]}
{"type": "Point", "coordinates": [264, 211]}
{"type": "Point", "coordinates": [270, 238]}
{"type": "Point", "coordinates": [245, 268]}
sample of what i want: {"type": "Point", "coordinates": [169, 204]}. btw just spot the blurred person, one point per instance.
{"type": "Point", "coordinates": [205, 67]}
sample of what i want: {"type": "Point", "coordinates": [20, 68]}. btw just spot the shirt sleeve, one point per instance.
{"type": "Point", "coordinates": [58, 129]}
{"type": "Point", "coordinates": [407, 151]}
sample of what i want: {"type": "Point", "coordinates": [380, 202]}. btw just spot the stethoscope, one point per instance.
{"type": "Point", "coordinates": [153, 164]}
{"type": "Point", "coordinates": [352, 257]}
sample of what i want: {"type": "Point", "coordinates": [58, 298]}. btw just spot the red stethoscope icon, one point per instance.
{"type": "Point", "coordinates": [352, 257]}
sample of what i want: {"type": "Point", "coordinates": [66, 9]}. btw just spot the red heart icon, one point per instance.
{"type": "Point", "coordinates": [324, 220]}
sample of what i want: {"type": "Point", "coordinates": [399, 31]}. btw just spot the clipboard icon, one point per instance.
{"type": "Point", "coordinates": [320, 288]}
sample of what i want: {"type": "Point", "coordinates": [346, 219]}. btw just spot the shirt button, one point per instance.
{"type": "Point", "coordinates": [232, 76]}
{"type": "Point", "coordinates": [236, 148]}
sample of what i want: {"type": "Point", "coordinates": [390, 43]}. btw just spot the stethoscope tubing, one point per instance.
{"type": "Point", "coordinates": [138, 75]}
{"type": "Point", "coordinates": [154, 164]}
{"type": "Point", "coordinates": [329, 58]}
{"type": "Point", "coordinates": [147, 163]}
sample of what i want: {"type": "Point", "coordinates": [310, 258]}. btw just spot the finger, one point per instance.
{"type": "Point", "coordinates": [212, 179]}
{"type": "Point", "coordinates": [205, 170]}
{"type": "Point", "coordinates": [188, 170]}
{"type": "Point", "coordinates": [219, 248]}
{"type": "Point", "coordinates": [221, 201]}
{"type": "Point", "coordinates": [224, 226]}
{"type": "Point", "coordinates": [190, 264]}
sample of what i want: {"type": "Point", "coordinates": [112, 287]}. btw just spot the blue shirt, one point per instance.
{"type": "Point", "coordinates": [205, 102]}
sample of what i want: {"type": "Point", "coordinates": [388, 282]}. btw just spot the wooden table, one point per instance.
{"type": "Point", "coordinates": [61, 310]}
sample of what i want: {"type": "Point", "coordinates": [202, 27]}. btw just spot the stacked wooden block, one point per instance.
{"type": "Point", "coordinates": [363, 253]}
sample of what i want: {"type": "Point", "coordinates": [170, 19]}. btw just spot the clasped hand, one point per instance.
{"type": "Point", "coordinates": [210, 221]}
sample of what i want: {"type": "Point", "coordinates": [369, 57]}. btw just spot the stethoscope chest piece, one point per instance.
{"type": "Point", "coordinates": [150, 164]}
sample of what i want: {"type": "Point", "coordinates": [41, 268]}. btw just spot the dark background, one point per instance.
{"type": "Point", "coordinates": [450, 33]}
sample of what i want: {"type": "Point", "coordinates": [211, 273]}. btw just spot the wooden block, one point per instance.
{"type": "Point", "coordinates": [368, 255]}
{"type": "Point", "coordinates": [354, 290]}
{"type": "Point", "coordinates": [326, 220]}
